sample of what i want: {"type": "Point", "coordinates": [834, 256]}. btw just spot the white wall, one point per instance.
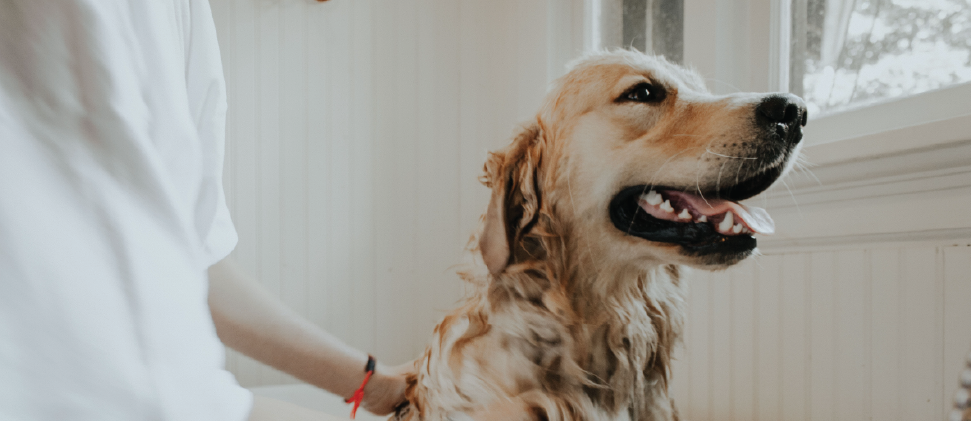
{"type": "Point", "coordinates": [357, 131]}
{"type": "Point", "coordinates": [869, 332]}
{"type": "Point", "coordinates": [859, 307]}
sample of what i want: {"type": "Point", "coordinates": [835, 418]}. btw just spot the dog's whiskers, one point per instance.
{"type": "Point", "coordinates": [727, 156]}
{"type": "Point", "coordinates": [631, 226]}
{"type": "Point", "coordinates": [757, 260]}
{"type": "Point", "coordinates": [698, 173]}
{"type": "Point", "coordinates": [658, 171]}
{"type": "Point", "coordinates": [739, 171]}
{"type": "Point", "coordinates": [649, 185]}
{"type": "Point", "coordinates": [802, 164]}
{"type": "Point", "coordinates": [793, 196]}
{"type": "Point", "coordinates": [718, 180]}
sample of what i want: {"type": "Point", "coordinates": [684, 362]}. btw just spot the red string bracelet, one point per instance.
{"type": "Point", "coordinates": [358, 395]}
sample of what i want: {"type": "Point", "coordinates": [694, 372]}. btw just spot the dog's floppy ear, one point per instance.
{"type": "Point", "coordinates": [512, 174]}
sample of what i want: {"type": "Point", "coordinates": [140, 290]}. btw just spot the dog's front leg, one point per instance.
{"type": "Point", "coordinates": [511, 410]}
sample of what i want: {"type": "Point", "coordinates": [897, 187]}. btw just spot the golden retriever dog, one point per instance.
{"type": "Point", "coordinates": [631, 170]}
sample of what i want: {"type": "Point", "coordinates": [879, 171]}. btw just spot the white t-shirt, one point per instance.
{"type": "Point", "coordinates": [112, 118]}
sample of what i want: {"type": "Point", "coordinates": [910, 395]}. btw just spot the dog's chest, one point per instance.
{"type": "Point", "coordinates": [597, 414]}
{"type": "Point", "coordinates": [600, 414]}
{"type": "Point", "coordinates": [611, 366]}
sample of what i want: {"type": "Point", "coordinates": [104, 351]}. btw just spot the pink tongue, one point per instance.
{"type": "Point", "coordinates": [757, 219]}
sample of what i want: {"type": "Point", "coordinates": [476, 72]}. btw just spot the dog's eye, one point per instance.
{"type": "Point", "coordinates": [643, 92]}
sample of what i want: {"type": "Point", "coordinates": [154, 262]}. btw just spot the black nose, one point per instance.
{"type": "Point", "coordinates": [782, 112]}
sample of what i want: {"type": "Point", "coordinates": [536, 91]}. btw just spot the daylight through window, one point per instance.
{"type": "Point", "coordinates": [651, 26]}
{"type": "Point", "coordinates": [848, 53]}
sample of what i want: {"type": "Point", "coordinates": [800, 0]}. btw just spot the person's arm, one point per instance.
{"type": "Point", "coordinates": [250, 321]}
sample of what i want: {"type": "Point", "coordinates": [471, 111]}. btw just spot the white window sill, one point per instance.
{"type": "Point", "coordinates": [927, 120]}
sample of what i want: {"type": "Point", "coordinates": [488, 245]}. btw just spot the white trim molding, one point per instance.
{"type": "Point", "coordinates": [780, 38]}
{"type": "Point", "coordinates": [878, 187]}
{"type": "Point", "coordinates": [944, 106]}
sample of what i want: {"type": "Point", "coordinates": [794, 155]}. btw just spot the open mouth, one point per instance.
{"type": "Point", "coordinates": [702, 224]}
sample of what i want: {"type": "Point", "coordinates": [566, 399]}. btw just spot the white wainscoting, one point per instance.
{"type": "Point", "coordinates": [860, 306]}
{"type": "Point", "coordinates": [357, 131]}
{"type": "Point", "coordinates": [876, 332]}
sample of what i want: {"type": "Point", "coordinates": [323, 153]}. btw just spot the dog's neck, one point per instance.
{"type": "Point", "coordinates": [627, 320]}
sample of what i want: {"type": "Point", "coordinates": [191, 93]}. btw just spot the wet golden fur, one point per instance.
{"type": "Point", "coordinates": [569, 318]}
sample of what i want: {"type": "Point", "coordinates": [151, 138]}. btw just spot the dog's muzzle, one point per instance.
{"type": "Point", "coordinates": [713, 222]}
{"type": "Point", "coordinates": [780, 119]}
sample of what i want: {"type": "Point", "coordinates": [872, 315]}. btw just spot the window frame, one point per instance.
{"type": "Point", "coordinates": [936, 112]}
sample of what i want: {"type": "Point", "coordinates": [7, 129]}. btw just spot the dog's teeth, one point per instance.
{"type": "Point", "coordinates": [727, 223]}
{"type": "Point", "coordinates": [702, 218]}
{"type": "Point", "coordinates": [666, 206]}
{"type": "Point", "coordinates": [737, 228]}
{"type": "Point", "coordinates": [684, 214]}
{"type": "Point", "coordinates": [652, 198]}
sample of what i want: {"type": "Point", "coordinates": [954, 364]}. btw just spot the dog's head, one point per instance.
{"type": "Point", "coordinates": [636, 162]}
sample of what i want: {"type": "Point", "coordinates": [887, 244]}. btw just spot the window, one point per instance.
{"type": "Point", "coordinates": [873, 72]}
{"type": "Point", "coordinates": [865, 67]}
{"type": "Point", "coordinates": [651, 26]}
{"type": "Point", "coordinates": [851, 53]}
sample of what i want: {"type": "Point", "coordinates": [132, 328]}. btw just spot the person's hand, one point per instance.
{"type": "Point", "coordinates": [386, 389]}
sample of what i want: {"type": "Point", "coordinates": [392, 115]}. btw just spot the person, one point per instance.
{"type": "Point", "coordinates": [115, 288]}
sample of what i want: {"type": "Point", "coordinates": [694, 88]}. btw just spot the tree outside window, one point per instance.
{"type": "Point", "coordinates": [851, 53]}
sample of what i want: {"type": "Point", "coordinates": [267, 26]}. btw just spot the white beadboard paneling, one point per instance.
{"type": "Point", "coordinates": [920, 341]}
{"type": "Point", "coordinates": [293, 155]}
{"type": "Point", "coordinates": [743, 364]}
{"type": "Point", "coordinates": [698, 404]}
{"type": "Point", "coordinates": [850, 336]}
{"type": "Point", "coordinates": [885, 380]}
{"type": "Point", "coordinates": [871, 332]}
{"type": "Point", "coordinates": [720, 343]}
{"type": "Point", "coordinates": [268, 127]}
{"type": "Point", "coordinates": [822, 347]}
{"type": "Point", "coordinates": [957, 317]}
{"type": "Point", "coordinates": [293, 212]}
{"type": "Point", "coordinates": [503, 79]}
{"type": "Point", "coordinates": [322, 210]}
{"type": "Point", "coordinates": [242, 140]}
{"type": "Point", "coordinates": [396, 75]}
{"type": "Point", "coordinates": [356, 134]}
{"type": "Point", "coordinates": [363, 204]}
{"type": "Point", "coordinates": [768, 338]}
{"type": "Point", "coordinates": [795, 319]}
{"type": "Point", "coordinates": [439, 51]}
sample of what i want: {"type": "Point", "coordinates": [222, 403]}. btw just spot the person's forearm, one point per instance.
{"type": "Point", "coordinates": [250, 321]}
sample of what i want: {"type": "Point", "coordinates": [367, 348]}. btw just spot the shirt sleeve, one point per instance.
{"type": "Point", "coordinates": [206, 88]}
